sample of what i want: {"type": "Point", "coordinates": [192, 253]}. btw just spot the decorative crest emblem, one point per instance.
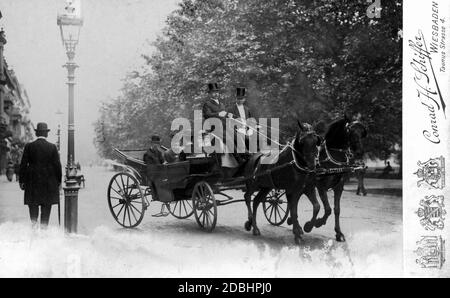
{"type": "Point", "coordinates": [431, 173]}
{"type": "Point", "coordinates": [431, 213]}
{"type": "Point", "coordinates": [430, 252]}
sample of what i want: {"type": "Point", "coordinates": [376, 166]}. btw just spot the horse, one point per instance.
{"type": "Point", "coordinates": [342, 145]}
{"type": "Point", "coordinates": [294, 172]}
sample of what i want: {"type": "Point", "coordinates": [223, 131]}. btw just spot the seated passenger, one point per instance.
{"type": "Point", "coordinates": [155, 153]}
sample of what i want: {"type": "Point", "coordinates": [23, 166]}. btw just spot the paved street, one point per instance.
{"type": "Point", "coordinates": [171, 247]}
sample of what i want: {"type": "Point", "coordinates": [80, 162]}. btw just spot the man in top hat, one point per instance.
{"type": "Point", "coordinates": [40, 175]}
{"type": "Point", "coordinates": [213, 107]}
{"type": "Point", "coordinates": [155, 153]}
{"type": "Point", "coordinates": [242, 113]}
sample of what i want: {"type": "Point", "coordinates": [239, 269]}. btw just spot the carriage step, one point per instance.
{"type": "Point", "coordinates": [161, 214]}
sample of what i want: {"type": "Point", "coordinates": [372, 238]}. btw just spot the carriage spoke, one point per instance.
{"type": "Point", "coordinates": [129, 216]}
{"type": "Point", "coordinates": [124, 214]}
{"type": "Point", "coordinates": [180, 203]}
{"type": "Point", "coordinates": [279, 205]}
{"type": "Point", "coordinates": [203, 216]}
{"type": "Point", "coordinates": [128, 183]}
{"type": "Point", "coordinates": [207, 219]}
{"type": "Point", "coordinates": [184, 206]}
{"type": "Point", "coordinates": [116, 192]}
{"type": "Point", "coordinates": [136, 209]}
{"type": "Point", "coordinates": [118, 213]}
{"type": "Point", "coordinates": [189, 204]}
{"type": "Point", "coordinates": [202, 191]}
{"type": "Point", "coordinates": [271, 210]}
{"type": "Point", "coordinates": [117, 183]}
{"type": "Point", "coordinates": [134, 215]}
{"type": "Point", "coordinates": [278, 211]}
{"type": "Point", "coordinates": [117, 205]}
{"type": "Point", "coordinates": [210, 212]}
{"type": "Point", "coordinates": [123, 185]}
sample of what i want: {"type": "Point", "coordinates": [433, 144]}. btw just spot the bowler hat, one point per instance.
{"type": "Point", "coordinates": [42, 127]}
{"type": "Point", "coordinates": [213, 87]}
{"type": "Point", "coordinates": [240, 91]}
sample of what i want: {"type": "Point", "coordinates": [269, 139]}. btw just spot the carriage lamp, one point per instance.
{"type": "Point", "coordinates": [70, 23]}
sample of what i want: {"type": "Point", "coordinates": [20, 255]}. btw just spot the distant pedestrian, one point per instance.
{"type": "Point", "coordinates": [40, 176]}
{"type": "Point", "coordinates": [386, 171]}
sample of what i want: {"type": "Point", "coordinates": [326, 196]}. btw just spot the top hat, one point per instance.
{"type": "Point", "coordinates": [41, 127]}
{"type": "Point", "coordinates": [213, 87]}
{"type": "Point", "coordinates": [241, 91]}
{"type": "Point", "coordinates": [156, 139]}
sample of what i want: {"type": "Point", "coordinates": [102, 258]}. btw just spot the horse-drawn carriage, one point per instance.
{"type": "Point", "coordinates": [193, 187]}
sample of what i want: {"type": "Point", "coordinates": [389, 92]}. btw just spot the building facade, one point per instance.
{"type": "Point", "coordinates": [15, 125]}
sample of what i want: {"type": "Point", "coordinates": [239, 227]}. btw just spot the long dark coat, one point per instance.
{"type": "Point", "coordinates": [211, 109]}
{"type": "Point", "coordinates": [41, 173]}
{"type": "Point", "coordinates": [235, 111]}
{"type": "Point", "coordinates": [154, 155]}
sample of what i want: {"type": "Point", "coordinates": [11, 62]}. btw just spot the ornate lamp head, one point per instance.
{"type": "Point", "coordinates": [70, 23]}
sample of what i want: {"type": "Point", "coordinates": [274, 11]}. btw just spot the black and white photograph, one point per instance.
{"type": "Point", "coordinates": [223, 139]}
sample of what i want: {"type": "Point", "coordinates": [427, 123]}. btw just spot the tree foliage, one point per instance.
{"type": "Point", "coordinates": [310, 60]}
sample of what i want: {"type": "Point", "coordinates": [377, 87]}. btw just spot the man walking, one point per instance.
{"type": "Point", "coordinates": [40, 175]}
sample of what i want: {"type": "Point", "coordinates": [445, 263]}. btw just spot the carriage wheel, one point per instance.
{"type": "Point", "coordinates": [126, 200]}
{"type": "Point", "coordinates": [181, 209]}
{"type": "Point", "coordinates": [276, 207]}
{"type": "Point", "coordinates": [205, 206]}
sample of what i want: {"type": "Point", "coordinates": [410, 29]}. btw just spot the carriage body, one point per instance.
{"type": "Point", "coordinates": [173, 181]}
{"type": "Point", "coordinates": [184, 188]}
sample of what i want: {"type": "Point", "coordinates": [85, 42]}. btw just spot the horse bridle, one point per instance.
{"type": "Point", "coordinates": [294, 156]}
{"type": "Point", "coordinates": [347, 152]}
{"type": "Point", "coordinates": [348, 155]}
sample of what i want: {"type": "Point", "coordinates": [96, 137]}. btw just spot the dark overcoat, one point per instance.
{"type": "Point", "coordinates": [41, 173]}
{"type": "Point", "coordinates": [235, 111]}
{"type": "Point", "coordinates": [211, 109]}
{"type": "Point", "coordinates": [154, 155]}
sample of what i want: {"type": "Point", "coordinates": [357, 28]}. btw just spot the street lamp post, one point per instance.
{"type": "Point", "coordinates": [2, 75]}
{"type": "Point", "coordinates": [58, 133]}
{"type": "Point", "coordinates": [70, 25]}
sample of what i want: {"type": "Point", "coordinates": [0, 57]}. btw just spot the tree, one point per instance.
{"type": "Point", "coordinates": [320, 58]}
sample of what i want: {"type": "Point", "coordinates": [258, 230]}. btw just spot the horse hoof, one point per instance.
{"type": "Point", "coordinates": [256, 232]}
{"type": "Point", "coordinates": [248, 226]}
{"type": "Point", "coordinates": [319, 223]}
{"type": "Point", "coordinates": [340, 237]}
{"type": "Point", "coordinates": [289, 221]}
{"type": "Point", "coordinates": [308, 227]}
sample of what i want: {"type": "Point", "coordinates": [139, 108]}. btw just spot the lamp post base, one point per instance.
{"type": "Point", "coordinates": [71, 206]}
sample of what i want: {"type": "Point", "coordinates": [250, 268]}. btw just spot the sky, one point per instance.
{"type": "Point", "coordinates": [114, 35]}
